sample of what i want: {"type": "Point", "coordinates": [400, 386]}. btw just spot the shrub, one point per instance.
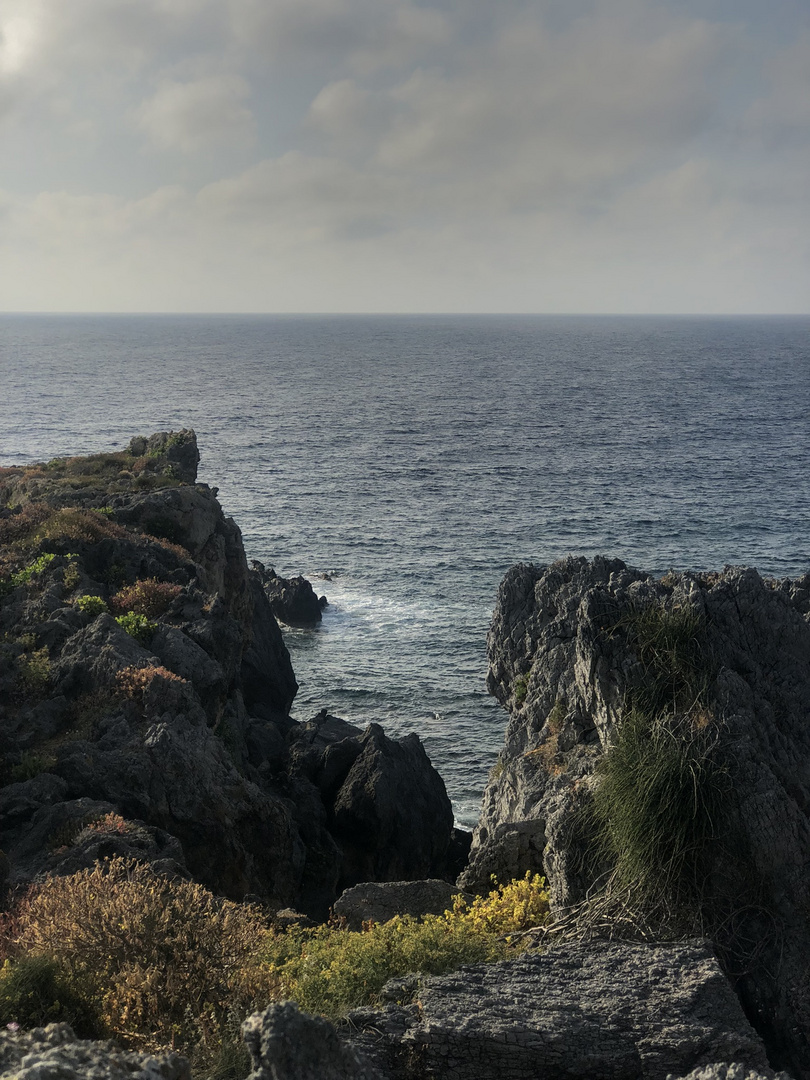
{"type": "Point", "coordinates": [137, 626]}
{"type": "Point", "coordinates": [34, 991]}
{"type": "Point", "coordinates": [521, 689]}
{"type": "Point", "coordinates": [71, 523]}
{"type": "Point", "coordinates": [71, 576]}
{"type": "Point", "coordinates": [164, 959]}
{"type": "Point", "coordinates": [132, 681]}
{"type": "Point", "coordinates": [34, 671]}
{"type": "Point", "coordinates": [22, 577]}
{"type": "Point", "coordinates": [148, 596]}
{"type": "Point", "coordinates": [91, 605]}
{"type": "Point", "coordinates": [329, 970]}
{"type": "Point", "coordinates": [16, 526]}
{"type": "Point", "coordinates": [31, 764]}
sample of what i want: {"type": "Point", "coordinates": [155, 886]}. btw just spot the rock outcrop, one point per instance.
{"type": "Point", "coordinates": [583, 655]}
{"type": "Point", "coordinates": [293, 601]}
{"type": "Point", "coordinates": [54, 1053]}
{"type": "Point", "coordinates": [145, 691]}
{"type": "Point", "coordinates": [607, 1010]}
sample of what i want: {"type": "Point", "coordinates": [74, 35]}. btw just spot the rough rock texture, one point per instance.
{"type": "Point", "coordinates": [562, 662]}
{"type": "Point", "coordinates": [183, 729]}
{"type": "Point", "coordinates": [378, 902]}
{"type": "Point", "coordinates": [293, 600]}
{"type": "Point", "coordinates": [54, 1053]}
{"type": "Point", "coordinates": [724, 1070]}
{"type": "Point", "coordinates": [605, 1011]}
{"type": "Point", "coordinates": [286, 1044]}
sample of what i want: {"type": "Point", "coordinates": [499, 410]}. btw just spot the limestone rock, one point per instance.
{"type": "Point", "coordinates": [392, 815]}
{"type": "Point", "coordinates": [286, 1044]}
{"type": "Point", "coordinates": [606, 1010]}
{"type": "Point", "coordinates": [562, 661]}
{"type": "Point", "coordinates": [54, 1053]}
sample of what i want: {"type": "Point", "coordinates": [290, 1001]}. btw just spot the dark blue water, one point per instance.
{"type": "Point", "coordinates": [415, 458]}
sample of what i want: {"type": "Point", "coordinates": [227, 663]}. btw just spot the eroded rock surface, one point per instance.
{"type": "Point", "coordinates": [605, 1011]}
{"type": "Point", "coordinates": [54, 1053]}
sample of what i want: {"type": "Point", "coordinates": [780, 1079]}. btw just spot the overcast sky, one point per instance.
{"type": "Point", "coordinates": [386, 155]}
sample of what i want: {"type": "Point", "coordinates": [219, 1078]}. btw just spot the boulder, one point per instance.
{"type": "Point", "coordinates": [374, 901]}
{"type": "Point", "coordinates": [54, 1053]}
{"type": "Point", "coordinates": [286, 1044]}
{"type": "Point", "coordinates": [569, 663]}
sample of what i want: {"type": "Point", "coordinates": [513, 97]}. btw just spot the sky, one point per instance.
{"type": "Point", "coordinates": [393, 156]}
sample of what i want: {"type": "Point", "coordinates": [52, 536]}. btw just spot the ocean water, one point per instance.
{"type": "Point", "coordinates": [414, 459]}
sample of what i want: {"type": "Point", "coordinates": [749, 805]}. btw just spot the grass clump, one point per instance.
{"type": "Point", "coordinates": [329, 970]}
{"type": "Point", "coordinates": [34, 671]}
{"type": "Point", "coordinates": [658, 805]}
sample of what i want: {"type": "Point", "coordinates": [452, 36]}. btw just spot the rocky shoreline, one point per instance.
{"type": "Point", "coordinates": [655, 770]}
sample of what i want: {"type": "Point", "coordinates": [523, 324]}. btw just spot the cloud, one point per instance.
{"type": "Point", "coordinates": [194, 115]}
{"type": "Point", "coordinates": [384, 154]}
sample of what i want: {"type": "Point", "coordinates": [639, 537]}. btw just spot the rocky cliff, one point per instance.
{"type": "Point", "coordinates": [145, 692]}
{"type": "Point", "coordinates": [656, 767]}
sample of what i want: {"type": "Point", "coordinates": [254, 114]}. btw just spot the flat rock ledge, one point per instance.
{"type": "Point", "coordinates": [54, 1053]}
{"type": "Point", "coordinates": [601, 1011]}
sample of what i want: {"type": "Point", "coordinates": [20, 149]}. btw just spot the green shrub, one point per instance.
{"type": "Point", "coordinates": [34, 671]}
{"type": "Point", "coordinates": [35, 991]}
{"type": "Point", "coordinates": [137, 626]}
{"type": "Point", "coordinates": [31, 764]}
{"type": "Point", "coordinates": [521, 688]}
{"type": "Point", "coordinates": [22, 577]}
{"type": "Point", "coordinates": [91, 605]}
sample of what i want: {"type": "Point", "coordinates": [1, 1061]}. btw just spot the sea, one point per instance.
{"type": "Point", "coordinates": [403, 463]}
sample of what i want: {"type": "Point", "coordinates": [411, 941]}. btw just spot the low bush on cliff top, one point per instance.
{"type": "Point", "coordinates": [159, 962]}
{"type": "Point", "coordinates": [147, 596]}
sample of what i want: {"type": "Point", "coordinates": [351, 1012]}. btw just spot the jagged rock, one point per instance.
{"type": "Point", "coordinates": [562, 660]}
{"type": "Point", "coordinates": [286, 1044]}
{"type": "Point", "coordinates": [179, 448]}
{"type": "Point", "coordinates": [378, 902]}
{"type": "Point", "coordinates": [724, 1070]}
{"type": "Point", "coordinates": [601, 1011]}
{"type": "Point", "coordinates": [54, 1053]}
{"type": "Point", "coordinates": [392, 815]}
{"type": "Point", "coordinates": [293, 600]}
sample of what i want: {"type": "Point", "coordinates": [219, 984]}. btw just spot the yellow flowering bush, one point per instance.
{"type": "Point", "coordinates": [329, 970]}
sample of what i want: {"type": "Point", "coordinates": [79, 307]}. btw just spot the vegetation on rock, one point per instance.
{"type": "Point", "coordinates": [162, 962]}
